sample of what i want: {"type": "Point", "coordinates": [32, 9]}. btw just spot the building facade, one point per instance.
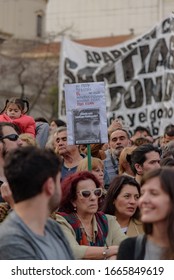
{"type": "Point", "coordinates": [22, 19]}
{"type": "Point", "coordinates": [82, 19]}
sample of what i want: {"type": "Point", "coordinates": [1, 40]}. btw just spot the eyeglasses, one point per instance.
{"type": "Point", "coordinates": [87, 193]}
{"type": "Point", "coordinates": [11, 137]}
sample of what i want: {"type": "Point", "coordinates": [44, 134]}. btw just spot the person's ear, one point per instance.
{"type": "Point", "coordinates": [49, 186]}
{"type": "Point", "coordinates": [113, 202]}
{"type": "Point", "coordinates": [139, 168]}
{"type": "Point", "coordinates": [73, 203]}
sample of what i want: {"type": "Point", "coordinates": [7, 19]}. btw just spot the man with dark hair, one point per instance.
{"type": "Point", "coordinates": [142, 129]}
{"type": "Point", "coordinates": [9, 137]}
{"type": "Point", "coordinates": [9, 140]}
{"type": "Point", "coordinates": [27, 232]}
{"type": "Point", "coordinates": [144, 158]}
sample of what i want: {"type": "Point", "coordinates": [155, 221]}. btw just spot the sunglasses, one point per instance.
{"type": "Point", "coordinates": [87, 193]}
{"type": "Point", "coordinates": [11, 137]}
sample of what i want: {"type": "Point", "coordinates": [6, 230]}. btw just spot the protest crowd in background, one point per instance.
{"type": "Point", "coordinates": [53, 207]}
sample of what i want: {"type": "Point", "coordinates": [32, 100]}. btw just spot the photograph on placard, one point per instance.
{"type": "Point", "coordinates": [86, 126]}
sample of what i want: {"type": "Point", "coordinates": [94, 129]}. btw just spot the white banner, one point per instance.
{"type": "Point", "coordinates": [138, 74]}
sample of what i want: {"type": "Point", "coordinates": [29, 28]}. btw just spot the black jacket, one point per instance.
{"type": "Point", "coordinates": [132, 248]}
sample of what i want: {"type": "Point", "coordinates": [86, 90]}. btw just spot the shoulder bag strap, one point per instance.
{"type": "Point", "coordinates": [138, 246]}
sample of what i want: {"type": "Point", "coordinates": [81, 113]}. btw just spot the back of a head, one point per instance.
{"type": "Point", "coordinates": [123, 159]}
{"type": "Point", "coordinates": [28, 139]}
{"type": "Point", "coordinates": [167, 161]}
{"type": "Point", "coordinates": [96, 151]}
{"type": "Point", "coordinates": [168, 149]}
{"type": "Point", "coordinates": [169, 130]}
{"type": "Point", "coordinates": [41, 119]}
{"type": "Point", "coordinates": [59, 122]}
{"type": "Point", "coordinates": [27, 169]}
{"type": "Point", "coordinates": [95, 163]}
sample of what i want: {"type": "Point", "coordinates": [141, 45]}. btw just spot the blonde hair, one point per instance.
{"type": "Point", "coordinates": [124, 166]}
{"type": "Point", "coordinates": [95, 163]}
{"type": "Point", "coordinates": [28, 138]}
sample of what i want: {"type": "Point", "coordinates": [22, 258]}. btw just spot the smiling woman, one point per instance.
{"type": "Point", "coordinates": [91, 233]}
{"type": "Point", "coordinates": [156, 207]}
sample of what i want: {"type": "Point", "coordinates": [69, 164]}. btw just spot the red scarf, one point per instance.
{"type": "Point", "coordinates": [81, 237]}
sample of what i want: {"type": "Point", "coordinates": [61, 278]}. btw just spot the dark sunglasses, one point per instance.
{"type": "Point", "coordinates": [11, 137]}
{"type": "Point", "coordinates": [87, 193]}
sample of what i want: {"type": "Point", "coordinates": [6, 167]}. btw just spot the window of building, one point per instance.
{"type": "Point", "coordinates": [39, 25]}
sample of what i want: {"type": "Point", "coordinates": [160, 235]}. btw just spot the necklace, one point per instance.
{"type": "Point", "coordinates": [88, 231]}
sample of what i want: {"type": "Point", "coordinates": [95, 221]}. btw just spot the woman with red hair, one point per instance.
{"type": "Point", "coordinates": [91, 233]}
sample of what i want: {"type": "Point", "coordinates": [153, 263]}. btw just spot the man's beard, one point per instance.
{"type": "Point", "coordinates": [4, 152]}
{"type": "Point", "coordinates": [118, 151]}
{"type": "Point", "coordinates": [54, 201]}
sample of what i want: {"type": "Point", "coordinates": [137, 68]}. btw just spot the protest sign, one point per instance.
{"type": "Point", "coordinates": [138, 74]}
{"type": "Point", "coordinates": [86, 113]}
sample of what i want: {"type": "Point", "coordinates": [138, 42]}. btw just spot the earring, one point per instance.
{"type": "Point", "coordinates": [75, 209]}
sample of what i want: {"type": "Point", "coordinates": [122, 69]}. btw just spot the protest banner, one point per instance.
{"type": "Point", "coordinates": [138, 74]}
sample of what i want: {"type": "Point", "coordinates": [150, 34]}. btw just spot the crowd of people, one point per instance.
{"type": "Point", "coordinates": [53, 206]}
